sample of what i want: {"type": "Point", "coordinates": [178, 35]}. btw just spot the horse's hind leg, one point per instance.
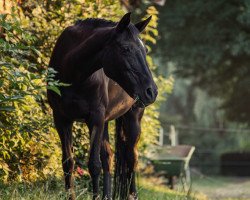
{"type": "Point", "coordinates": [106, 158]}
{"type": "Point", "coordinates": [64, 129]}
{"type": "Point", "coordinates": [132, 128]}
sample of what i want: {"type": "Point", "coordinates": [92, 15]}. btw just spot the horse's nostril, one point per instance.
{"type": "Point", "coordinates": [149, 93]}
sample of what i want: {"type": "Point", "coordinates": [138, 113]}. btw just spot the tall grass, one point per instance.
{"type": "Point", "coordinates": [53, 189]}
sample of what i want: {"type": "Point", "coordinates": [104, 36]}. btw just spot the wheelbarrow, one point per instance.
{"type": "Point", "coordinates": [173, 161]}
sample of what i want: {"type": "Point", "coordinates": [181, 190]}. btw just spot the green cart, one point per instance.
{"type": "Point", "coordinates": [173, 161]}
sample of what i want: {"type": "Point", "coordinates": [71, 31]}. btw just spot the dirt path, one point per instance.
{"type": "Point", "coordinates": [220, 188]}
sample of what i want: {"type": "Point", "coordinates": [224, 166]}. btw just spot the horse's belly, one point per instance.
{"type": "Point", "coordinates": [77, 110]}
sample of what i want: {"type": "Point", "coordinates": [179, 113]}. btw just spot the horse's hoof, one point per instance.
{"type": "Point", "coordinates": [71, 195]}
{"type": "Point", "coordinates": [107, 198]}
{"type": "Point", "coordinates": [133, 197]}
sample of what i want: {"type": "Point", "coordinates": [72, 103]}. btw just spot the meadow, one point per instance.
{"type": "Point", "coordinates": [149, 189]}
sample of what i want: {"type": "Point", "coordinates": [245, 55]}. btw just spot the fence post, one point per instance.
{"type": "Point", "coordinates": [161, 136]}
{"type": "Point", "coordinates": [173, 136]}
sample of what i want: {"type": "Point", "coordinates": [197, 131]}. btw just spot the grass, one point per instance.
{"type": "Point", "coordinates": [153, 189]}
{"type": "Point", "coordinates": [149, 189]}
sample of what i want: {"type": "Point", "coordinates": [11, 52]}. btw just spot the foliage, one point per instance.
{"type": "Point", "coordinates": [198, 41]}
{"type": "Point", "coordinates": [47, 19]}
{"type": "Point", "coordinates": [209, 42]}
{"type": "Point", "coordinates": [26, 146]}
{"type": "Point", "coordinates": [199, 122]}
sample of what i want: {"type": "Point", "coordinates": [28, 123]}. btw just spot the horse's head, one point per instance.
{"type": "Point", "coordinates": [124, 61]}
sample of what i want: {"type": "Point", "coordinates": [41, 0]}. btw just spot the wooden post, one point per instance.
{"type": "Point", "coordinates": [173, 136]}
{"type": "Point", "coordinates": [161, 136]}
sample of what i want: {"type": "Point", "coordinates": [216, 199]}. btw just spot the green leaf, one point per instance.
{"type": "Point", "coordinates": [55, 89]}
{"type": "Point", "coordinates": [64, 84]}
{"type": "Point", "coordinates": [7, 108]}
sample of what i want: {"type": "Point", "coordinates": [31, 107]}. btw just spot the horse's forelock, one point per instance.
{"type": "Point", "coordinates": [133, 30]}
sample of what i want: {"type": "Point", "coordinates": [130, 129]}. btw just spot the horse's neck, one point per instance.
{"type": "Point", "coordinates": [87, 70]}
{"type": "Point", "coordinates": [85, 59]}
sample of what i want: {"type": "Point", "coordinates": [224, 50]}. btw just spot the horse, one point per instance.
{"type": "Point", "coordinates": [104, 63]}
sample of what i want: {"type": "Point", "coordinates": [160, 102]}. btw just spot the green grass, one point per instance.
{"type": "Point", "coordinates": [149, 189]}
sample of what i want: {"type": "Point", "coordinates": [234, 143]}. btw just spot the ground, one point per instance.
{"type": "Point", "coordinates": [150, 188]}
{"type": "Point", "coordinates": [221, 188]}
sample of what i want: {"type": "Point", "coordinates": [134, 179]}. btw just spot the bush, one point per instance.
{"type": "Point", "coordinates": [26, 145]}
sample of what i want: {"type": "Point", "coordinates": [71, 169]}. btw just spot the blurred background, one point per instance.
{"type": "Point", "coordinates": [199, 54]}
{"type": "Point", "coordinates": [205, 45]}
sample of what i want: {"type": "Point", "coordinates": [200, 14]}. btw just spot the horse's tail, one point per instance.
{"type": "Point", "coordinates": [121, 183]}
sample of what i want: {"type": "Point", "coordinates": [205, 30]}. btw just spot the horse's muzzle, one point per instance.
{"type": "Point", "coordinates": [150, 95]}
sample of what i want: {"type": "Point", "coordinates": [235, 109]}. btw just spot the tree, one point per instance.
{"type": "Point", "coordinates": [209, 42]}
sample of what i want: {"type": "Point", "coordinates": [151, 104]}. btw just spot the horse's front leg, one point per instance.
{"type": "Point", "coordinates": [64, 129]}
{"type": "Point", "coordinates": [96, 125]}
{"type": "Point", "coordinates": [106, 158]}
{"type": "Point", "coordinates": [132, 129]}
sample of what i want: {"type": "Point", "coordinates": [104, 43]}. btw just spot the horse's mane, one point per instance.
{"type": "Point", "coordinates": [93, 23]}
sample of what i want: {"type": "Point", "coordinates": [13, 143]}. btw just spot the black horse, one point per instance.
{"type": "Point", "coordinates": [105, 64]}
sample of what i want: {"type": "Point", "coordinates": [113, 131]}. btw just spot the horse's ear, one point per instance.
{"type": "Point", "coordinates": [123, 23]}
{"type": "Point", "coordinates": [142, 25]}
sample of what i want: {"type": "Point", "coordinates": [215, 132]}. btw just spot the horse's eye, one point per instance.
{"type": "Point", "coordinates": [125, 48]}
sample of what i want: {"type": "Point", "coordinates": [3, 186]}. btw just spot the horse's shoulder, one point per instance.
{"type": "Point", "coordinates": [98, 78]}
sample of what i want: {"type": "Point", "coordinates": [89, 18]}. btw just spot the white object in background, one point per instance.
{"type": "Point", "coordinates": [173, 136]}
{"type": "Point", "coordinates": [160, 2]}
{"type": "Point", "coordinates": [161, 136]}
